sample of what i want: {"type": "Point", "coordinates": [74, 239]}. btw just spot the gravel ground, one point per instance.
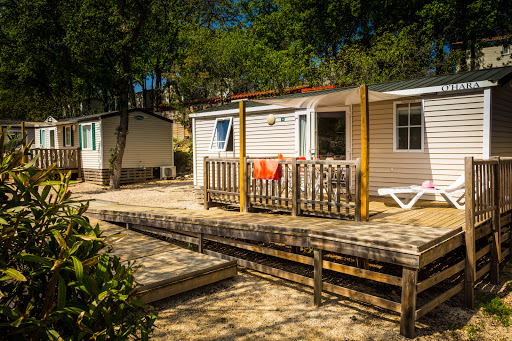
{"type": "Point", "coordinates": [255, 306]}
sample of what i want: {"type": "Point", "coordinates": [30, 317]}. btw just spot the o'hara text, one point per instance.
{"type": "Point", "coordinates": [460, 86]}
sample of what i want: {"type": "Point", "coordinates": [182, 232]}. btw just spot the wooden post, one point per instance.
{"type": "Point", "coordinates": [128, 225]}
{"type": "Point", "coordinates": [496, 245]}
{"type": "Point", "coordinates": [206, 183]}
{"type": "Point", "coordinates": [317, 261]}
{"type": "Point", "coordinates": [245, 176]}
{"type": "Point", "coordinates": [365, 153]}
{"type": "Point", "coordinates": [243, 189]}
{"type": "Point", "coordinates": [295, 188]}
{"type": "Point", "coordinates": [358, 190]}
{"type": "Point", "coordinates": [79, 163]}
{"type": "Point", "coordinates": [408, 303]}
{"type": "Point", "coordinates": [200, 243]}
{"type": "Point", "coordinates": [470, 270]}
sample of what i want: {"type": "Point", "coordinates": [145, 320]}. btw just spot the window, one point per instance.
{"type": "Point", "coordinates": [87, 140]}
{"type": "Point", "coordinates": [222, 137]}
{"type": "Point", "coordinates": [52, 138]}
{"type": "Point", "coordinates": [303, 126]}
{"type": "Point", "coordinates": [42, 138]}
{"type": "Point", "coordinates": [408, 127]}
{"type": "Point", "coordinates": [505, 50]}
{"type": "Point", "coordinates": [68, 136]}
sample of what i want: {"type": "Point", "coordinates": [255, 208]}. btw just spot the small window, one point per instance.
{"type": "Point", "coordinates": [303, 125]}
{"type": "Point", "coordinates": [408, 127]}
{"type": "Point", "coordinates": [222, 136]}
{"type": "Point", "coordinates": [68, 139]}
{"type": "Point", "coordinates": [87, 136]}
{"type": "Point", "coordinates": [505, 50]}
{"type": "Point", "coordinates": [42, 137]}
{"type": "Point", "coordinates": [52, 138]}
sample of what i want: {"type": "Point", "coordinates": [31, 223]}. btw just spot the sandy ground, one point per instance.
{"type": "Point", "coordinates": [255, 306]}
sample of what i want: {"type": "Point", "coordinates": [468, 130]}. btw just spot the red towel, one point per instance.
{"type": "Point", "coordinates": [267, 169]}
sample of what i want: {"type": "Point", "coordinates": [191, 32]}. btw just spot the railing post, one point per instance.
{"type": "Point", "coordinates": [408, 303]}
{"type": "Point", "coordinates": [79, 163]}
{"type": "Point", "coordinates": [206, 183]}
{"type": "Point", "coordinates": [470, 270]}
{"type": "Point", "coordinates": [496, 245]}
{"type": "Point", "coordinates": [295, 188]}
{"type": "Point", "coordinates": [245, 202]}
{"type": "Point", "coordinates": [318, 265]}
{"type": "Point", "coordinates": [357, 199]}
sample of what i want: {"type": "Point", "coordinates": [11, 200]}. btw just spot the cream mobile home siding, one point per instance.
{"type": "Point", "coordinates": [91, 159]}
{"type": "Point", "coordinates": [138, 152]}
{"type": "Point", "coordinates": [501, 126]}
{"type": "Point", "coordinates": [262, 139]}
{"type": "Point", "coordinates": [453, 130]}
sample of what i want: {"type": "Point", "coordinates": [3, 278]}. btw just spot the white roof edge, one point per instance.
{"type": "Point", "coordinates": [444, 88]}
{"type": "Point", "coordinates": [235, 111]}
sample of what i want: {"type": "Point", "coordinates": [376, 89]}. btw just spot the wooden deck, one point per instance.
{"type": "Point", "coordinates": [168, 269]}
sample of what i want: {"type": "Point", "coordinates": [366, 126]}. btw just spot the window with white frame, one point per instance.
{"type": "Point", "coordinates": [222, 136]}
{"type": "Point", "coordinates": [505, 49]}
{"type": "Point", "coordinates": [42, 138]}
{"type": "Point", "coordinates": [68, 137]}
{"type": "Point", "coordinates": [87, 136]}
{"type": "Point", "coordinates": [52, 138]}
{"type": "Point", "coordinates": [408, 127]}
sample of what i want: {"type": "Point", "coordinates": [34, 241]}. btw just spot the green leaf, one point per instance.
{"type": "Point", "coordinates": [3, 221]}
{"type": "Point", "coordinates": [33, 258]}
{"type": "Point", "coordinates": [61, 293]}
{"type": "Point", "coordinates": [14, 274]}
{"type": "Point", "coordinates": [79, 270]}
{"type": "Point", "coordinates": [87, 237]}
{"type": "Point", "coordinates": [53, 335]}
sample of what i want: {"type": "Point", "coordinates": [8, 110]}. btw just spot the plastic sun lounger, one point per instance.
{"type": "Point", "coordinates": [457, 188]}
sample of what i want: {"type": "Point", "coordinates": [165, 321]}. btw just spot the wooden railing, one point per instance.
{"type": "Point", "coordinates": [64, 159]}
{"type": "Point", "coordinates": [488, 219]}
{"type": "Point", "coordinates": [312, 187]}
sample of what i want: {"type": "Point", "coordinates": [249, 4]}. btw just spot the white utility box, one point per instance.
{"type": "Point", "coordinates": [168, 172]}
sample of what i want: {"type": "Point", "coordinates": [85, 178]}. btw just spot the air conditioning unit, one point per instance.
{"type": "Point", "coordinates": [167, 172]}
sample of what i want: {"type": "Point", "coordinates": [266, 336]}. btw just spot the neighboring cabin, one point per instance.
{"type": "Point", "coordinates": [423, 136]}
{"type": "Point", "coordinates": [492, 52]}
{"type": "Point", "coordinates": [15, 128]}
{"type": "Point", "coordinates": [149, 145]}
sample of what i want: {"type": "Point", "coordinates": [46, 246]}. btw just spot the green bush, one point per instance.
{"type": "Point", "coordinates": [56, 281]}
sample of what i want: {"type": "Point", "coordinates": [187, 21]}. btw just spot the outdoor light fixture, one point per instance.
{"type": "Point", "coordinates": [271, 119]}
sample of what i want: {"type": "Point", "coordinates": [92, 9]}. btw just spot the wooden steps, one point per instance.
{"type": "Point", "coordinates": [168, 269]}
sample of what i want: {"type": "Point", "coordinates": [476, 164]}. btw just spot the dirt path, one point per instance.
{"type": "Point", "coordinates": [254, 306]}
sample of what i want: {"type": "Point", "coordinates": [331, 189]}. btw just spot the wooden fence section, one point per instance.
{"type": "Point", "coordinates": [64, 159]}
{"type": "Point", "coordinates": [488, 219]}
{"type": "Point", "coordinates": [304, 187]}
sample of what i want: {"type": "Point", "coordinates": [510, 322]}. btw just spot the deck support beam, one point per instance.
{"type": "Point", "coordinates": [470, 270]}
{"type": "Point", "coordinates": [408, 302]}
{"type": "Point", "coordinates": [243, 189]}
{"type": "Point", "coordinates": [318, 263]}
{"type": "Point", "coordinates": [365, 153]}
{"type": "Point", "coordinates": [200, 243]}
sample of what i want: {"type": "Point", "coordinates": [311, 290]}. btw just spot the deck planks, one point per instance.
{"type": "Point", "coordinates": [167, 269]}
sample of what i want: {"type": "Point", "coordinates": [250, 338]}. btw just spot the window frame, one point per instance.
{"type": "Point", "coordinates": [228, 135]}
{"type": "Point", "coordinates": [66, 142]}
{"type": "Point", "coordinates": [54, 131]}
{"type": "Point", "coordinates": [505, 49]}
{"type": "Point", "coordinates": [42, 138]}
{"type": "Point", "coordinates": [395, 127]}
{"type": "Point", "coordinates": [83, 136]}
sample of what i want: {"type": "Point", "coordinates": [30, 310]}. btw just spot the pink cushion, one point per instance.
{"type": "Point", "coordinates": [427, 184]}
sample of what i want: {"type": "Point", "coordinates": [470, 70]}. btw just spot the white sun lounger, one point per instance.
{"type": "Point", "coordinates": [457, 188]}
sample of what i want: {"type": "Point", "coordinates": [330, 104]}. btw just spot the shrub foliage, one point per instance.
{"type": "Point", "coordinates": [57, 281]}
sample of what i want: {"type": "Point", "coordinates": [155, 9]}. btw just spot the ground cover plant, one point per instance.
{"type": "Point", "coordinates": [56, 280]}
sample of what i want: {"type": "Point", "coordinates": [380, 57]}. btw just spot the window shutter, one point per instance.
{"type": "Point", "coordinates": [93, 137]}
{"type": "Point", "coordinates": [63, 136]}
{"type": "Point", "coordinates": [80, 135]}
{"type": "Point", "coordinates": [40, 138]}
{"type": "Point", "coordinates": [72, 137]}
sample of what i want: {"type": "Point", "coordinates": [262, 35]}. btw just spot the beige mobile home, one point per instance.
{"type": "Point", "coordinates": [149, 144]}
{"type": "Point", "coordinates": [422, 134]}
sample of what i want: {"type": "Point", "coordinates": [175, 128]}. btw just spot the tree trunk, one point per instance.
{"type": "Point", "coordinates": [144, 93]}
{"type": "Point", "coordinates": [117, 157]}
{"type": "Point", "coordinates": [464, 56]}
{"type": "Point", "coordinates": [104, 99]}
{"type": "Point", "coordinates": [133, 99]}
{"type": "Point", "coordinates": [158, 86]}
{"type": "Point", "coordinates": [473, 52]}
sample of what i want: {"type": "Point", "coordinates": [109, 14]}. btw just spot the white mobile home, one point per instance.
{"type": "Point", "coordinates": [423, 134]}
{"type": "Point", "coordinates": [149, 144]}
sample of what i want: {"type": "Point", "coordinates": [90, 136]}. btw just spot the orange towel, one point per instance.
{"type": "Point", "coordinates": [267, 169]}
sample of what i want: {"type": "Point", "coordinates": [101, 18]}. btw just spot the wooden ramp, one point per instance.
{"type": "Point", "coordinates": [168, 269]}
